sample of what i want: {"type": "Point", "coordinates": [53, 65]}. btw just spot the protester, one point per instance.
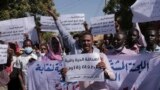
{"type": "Point", "coordinates": [121, 52]}
{"type": "Point", "coordinates": [43, 49]}
{"type": "Point", "coordinates": [107, 46]}
{"type": "Point", "coordinates": [73, 45]}
{"type": "Point", "coordinates": [150, 37]}
{"type": "Point", "coordinates": [55, 49]}
{"type": "Point", "coordinates": [14, 72]}
{"type": "Point", "coordinates": [132, 42]}
{"type": "Point", "coordinates": [49, 52]}
{"type": "Point", "coordinates": [119, 42]}
{"type": "Point", "coordinates": [87, 43]}
{"type": "Point", "coordinates": [4, 75]}
{"type": "Point", "coordinates": [36, 49]}
{"type": "Point", "coordinates": [25, 60]}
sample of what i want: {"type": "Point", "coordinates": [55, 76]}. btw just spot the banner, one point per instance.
{"type": "Point", "coordinates": [45, 75]}
{"type": "Point", "coordinates": [3, 53]}
{"type": "Point", "coordinates": [132, 71]}
{"type": "Point", "coordinates": [82, 67]}
{"type": "Point", "coordinates": [103, 25]}
{"type": "Point", "coordinates": [146, 10]}
{"type": "Point", "coordinates": [13, 30]}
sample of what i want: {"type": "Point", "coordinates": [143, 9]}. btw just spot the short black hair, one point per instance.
{"type": "Point", "coordinates": [76, 35]}
{"type": "Point", "coordinates": [131, 31]}
{"type": "Point", "coordinates": [27, 40]}
{"type": "Point", "coordinates": [43, 44]}
{"type": "Point", "coordinates": [150, 29]}
{"type": "Point", "coordinates": [106, 36]}
{"type": "Point", "coordinates": [86, 33]}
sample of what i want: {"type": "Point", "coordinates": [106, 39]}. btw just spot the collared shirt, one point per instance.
{"type": "Point", "coordinates": [156, 50]}
{"type": "Point", "coordinates": [123, 51]}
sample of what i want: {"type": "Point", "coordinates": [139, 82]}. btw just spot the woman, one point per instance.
{"type": "Point", "coordinates": [55, 49]}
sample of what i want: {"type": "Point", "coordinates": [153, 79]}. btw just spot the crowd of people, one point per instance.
{"type": "Point", "coordinates": [13, 75]}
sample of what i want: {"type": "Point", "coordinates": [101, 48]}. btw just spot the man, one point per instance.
{"type": "Point", "coordinates": [87, 43]}
{"type": "Point", "coordinates": [150, 37]}
{"type": "Point", "coordinates": [132, 42]}
{"type": "Point", "coordinates": [73, 45]}
{"type": "Point", "coordinates": [119, 45]}
{"type": "Point", "coordinates": [107, 46]}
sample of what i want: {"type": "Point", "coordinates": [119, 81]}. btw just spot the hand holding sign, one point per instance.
{"type": "Point", "coordinates": [86, 26]}
{"type": "Point", "coordinates": [101, 65]}
{"type": "Point", "coordinates": [63, 72]}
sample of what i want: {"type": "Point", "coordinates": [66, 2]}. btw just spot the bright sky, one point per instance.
{"type": "Point", "coordinates": [90, 8]}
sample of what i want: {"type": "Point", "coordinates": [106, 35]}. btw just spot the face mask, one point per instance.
{"type": "Point", "coordinates": [119, 49]}
{"type": "Point", "coordinates": [28, 50]}
{"type": "Point", "coordinates": [42, 54]}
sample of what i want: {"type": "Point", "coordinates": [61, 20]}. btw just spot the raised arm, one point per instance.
{"type": "Point", "coordinates": [66, 37]}
{"type": "Point", "coordinates": [141, 39]}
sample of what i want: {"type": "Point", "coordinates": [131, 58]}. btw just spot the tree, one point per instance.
{"type": "Point", "coordinates": [21, 8]}
{"type": "Point", "coordinates": [122, 9]}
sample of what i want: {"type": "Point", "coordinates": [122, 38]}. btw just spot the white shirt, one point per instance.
{"type": "Point", "coordinates": [23, 63]}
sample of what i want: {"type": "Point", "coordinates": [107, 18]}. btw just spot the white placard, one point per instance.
{"type": "Point", "coordinates": [12, 33]}
{"type": "Point", "coordinates": [3, 54]}
{"type": "Point", "coordinates": [146, 10]}
{"type": "Point", "coordinates": [82, 67]}
{"type": "Point", "coordinates": [103, 25]}
{"type": "Point", "coordinates": [73, 22]}
{"type": "Point", "coordinates": [48, 24]}
{"type": "Point", "coordinates": [13, 30]}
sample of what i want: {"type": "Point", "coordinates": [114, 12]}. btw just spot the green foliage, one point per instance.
{"type": "Point", "coordinates": [112, 6]}
{"type": "Point", "coordinates": [122, 9]}
{"type": "Point", "coordinates": [46, 36]}
{"type": "Point", "coordinates": [4, 14]}
{"type": "Point", "coordinates": [18, 8]}
{"type": "Point", "coordinates": [13, 9]}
